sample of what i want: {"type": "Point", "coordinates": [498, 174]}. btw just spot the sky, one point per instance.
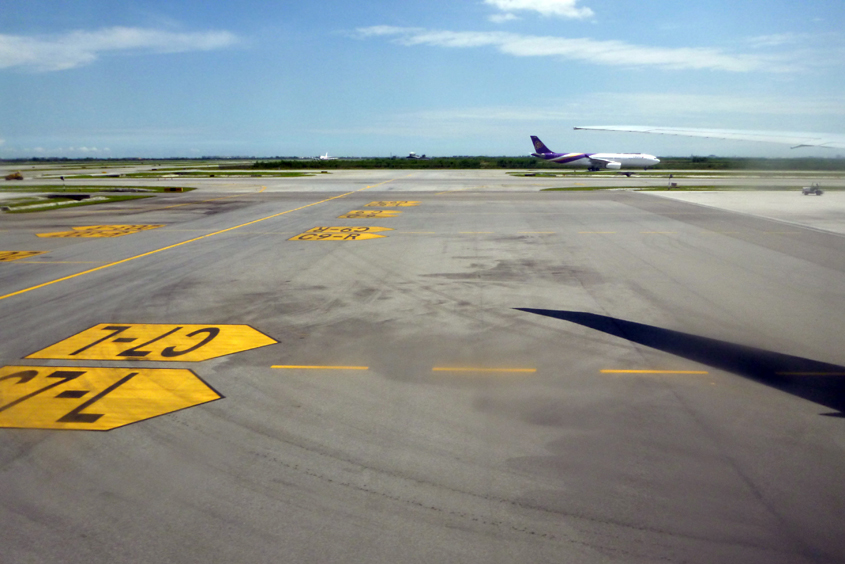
{"type": "Point", "coordinates": [147, 78]}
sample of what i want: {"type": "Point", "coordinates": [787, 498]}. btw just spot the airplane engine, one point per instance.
{"type": "Point", "coordinates": [613, 166]}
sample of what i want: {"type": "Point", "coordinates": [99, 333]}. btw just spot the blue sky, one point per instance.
{"type": "Point", "coordinates": [463, 77]}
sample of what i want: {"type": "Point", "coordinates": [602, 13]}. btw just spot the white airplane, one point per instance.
{"type": "Point", "coordinates": [326, 157]}
{"type": "Point", "coordinates": [795, 139]}
{"type": "Point", "coordinates": [594, 161]}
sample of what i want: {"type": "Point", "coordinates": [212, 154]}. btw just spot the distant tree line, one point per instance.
{"type": "Point", "coordinates": [527, 163]}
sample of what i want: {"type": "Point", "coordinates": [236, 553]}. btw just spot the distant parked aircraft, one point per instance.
{"type": "Point", "coordinates": [413, 155]}
{"type": "Point", "coordinates": [796, 139]}
{"type": "Point", "coordinates": [594, 161]}
{"type": "Point", "coordinates": [326, 157]}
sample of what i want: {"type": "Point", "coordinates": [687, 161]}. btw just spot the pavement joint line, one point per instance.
{"type": "Point", "coordinates": [470, 369]}
{"type": "Point", "coordinates": [613, 371]}
{"type": "Point", "coordinates": [148, 253]}
{"type": "Point", "coordinates": [317, 367]}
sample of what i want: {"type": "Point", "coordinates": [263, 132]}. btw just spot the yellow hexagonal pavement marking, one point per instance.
{"type": "Point", "coordinates": [340, 233]}
{"type": "Point", "coordinates": [94, 399]}
{"type": "Point", "coordinates": [8, 256]}
{"type": "Point", "coordinates": [157, 342]}
{"type": "Point", "coordinates": [101, 231]}
{"type": "Point", "coordinates": [393, 204]}
{"type": "Point", "coordinates": [366, 214]}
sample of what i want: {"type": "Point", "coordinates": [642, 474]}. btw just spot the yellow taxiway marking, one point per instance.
{"type": "Point", "coordinates": [393, 204]}
{"type": "Point", "coordinates": [340, 233]}
{"type": "Point", "coordinates": [101, 231]}
{"type": "Point", "coordinates": [366, 214]}
{"type": "Point", "coordinates": [156, 342]}
{"type": "Point", "coordinates": [475, 232]}
{"type": "Point", "coordinates": [9, 256]}
{"type": "Point", "coordinates": [335, 236]}
{"type": "Point", "coordinates": [109, 265]}
{"type": "Point", "coordinates": [317, 367]}
{"type": "Point", "coordinates": [94, 399]}
{"type": "Point", "coordinates": [537, 232]}
{"type": "Point", "coordinates": [60, 262]}
{"type": "Point", "coordinates": [654, 372]}
{"type": "Point", "coordinates": [349, 229]}
{"type": "Point", "coordinates": [471, 369]}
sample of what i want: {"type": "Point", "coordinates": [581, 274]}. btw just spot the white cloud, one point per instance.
{"type": "Point", "coordinates": [502, 18]}
{"type": "Point", "coordinates": [562, 8]}
{"type": "Point", "coordinates": [79, 48]}
{"type": "Point", "coordinates": [610, 52]}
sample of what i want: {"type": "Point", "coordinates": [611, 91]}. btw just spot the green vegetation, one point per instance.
{"type": "Point", "coordinates": [36, 204]}
{"type": "Point", "coordinates": [530, 163]}
{"type": "Point", "coordinates": [90, 189]}
{"type": "Point", "coordinates": [433, 163]}
{"type": "Point", "coordinates": [216, 173]}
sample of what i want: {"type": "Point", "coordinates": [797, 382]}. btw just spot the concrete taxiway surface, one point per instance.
{"type": "Point", "coordinates": [487, 374]}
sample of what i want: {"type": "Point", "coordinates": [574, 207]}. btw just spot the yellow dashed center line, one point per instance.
{"type": "Point", "coordinates": [317, 367]}
{"type": "Point", "coordinates": [470, 369]}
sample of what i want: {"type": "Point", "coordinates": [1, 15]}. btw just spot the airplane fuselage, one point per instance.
{"type": "Point", "coordinates": [601, 160]}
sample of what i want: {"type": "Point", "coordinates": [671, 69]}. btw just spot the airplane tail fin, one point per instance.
{"type": "Point", "coordinates": [539, 146]}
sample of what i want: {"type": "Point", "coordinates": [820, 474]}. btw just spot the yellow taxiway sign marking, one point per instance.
{"type": "Point", "coordinates": [654, 372]}
{"type": "Point", "coordinates": [168, 247]}
{"type": "Point", "coordinates": [366, 214]}
{"type": "Point", "coordinates": [94, 399]}
{"type": "Point", "coordinates": [396, 204]}
{"type": "Point", "coordinates": [334, 236]}
{"type": "Point", "coordinates": [470, 369]}
{"type": "Point", "coordinates": [156, 342]}
{"type": "Point", "coordinates": [101, 231]}
{"type": "Point", "coordinates": [348, 229]}
{"type": "Point", "coordinates": [9, 256]}
{"type": "Point", "coordinates": [317, 367]}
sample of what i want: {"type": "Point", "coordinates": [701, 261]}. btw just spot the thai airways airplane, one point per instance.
{"type": "Point", "coordinates": [594, 161]}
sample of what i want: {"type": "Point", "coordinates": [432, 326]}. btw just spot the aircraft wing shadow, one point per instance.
{"type": "Point", "coordinates": [819, 382]}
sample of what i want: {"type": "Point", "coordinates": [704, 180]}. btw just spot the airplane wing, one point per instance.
{"type": "Point", "coordinates": [795, 139]}
{"type": "Point", "coordinates": [605, 163]}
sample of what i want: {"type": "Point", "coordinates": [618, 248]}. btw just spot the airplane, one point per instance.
{"type": "Point", "coordinates": [795, 139]}
{"type": "Point", "coordinates": [413, 155]}
{"type": "Point", "coordinates": [595, 161]}
{"type": "Point", "coordinates": [326, 157]}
